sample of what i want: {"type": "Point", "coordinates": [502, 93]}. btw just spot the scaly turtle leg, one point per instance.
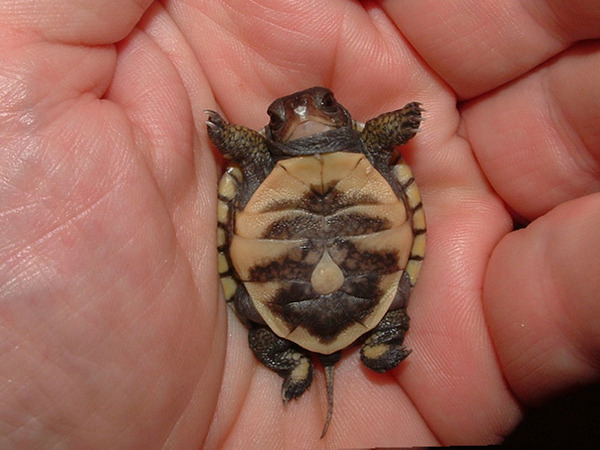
{"type": "Point", "coordinates": [285, 358]}
{"type": "Point", "coordinates": [383, 349]}
{"type": "Point", "coordinates": [246, 147]}
{"type": "Point", "coordinates": [390, 130]}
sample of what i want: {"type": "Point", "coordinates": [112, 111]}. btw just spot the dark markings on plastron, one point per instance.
{"type": "Point", "coordinates": [323, 200]}
{"type": "Point", "coordinates": [354, 225]}
{"type": "Point", "coordinates": [328, 201]}
{"type": "Point", "coordinates": [306, 226]}
{"type": "Point", "coordinates": [326, 316]}
{"type": "Point", "coordinates": [355, 262]}
{"type": "Point", "coordinates": [305, 217]}
{"type": "Point", "coordinates": [294, 226]}
{"type": "Point", "coordinates": [296, 264]}
{"type": "Point", "coordinates": [299, 262]}
{"type": "Point", "coordinates": [365, 286]}
{"type": "Point", "coordinates": [282, 269]}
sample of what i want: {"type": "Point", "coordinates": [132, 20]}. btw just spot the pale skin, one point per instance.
{"type": "Point", "coordinates": [113, 331]}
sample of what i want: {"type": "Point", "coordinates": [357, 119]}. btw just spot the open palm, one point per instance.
{"type": "Point", "coordinates": [113, 330]}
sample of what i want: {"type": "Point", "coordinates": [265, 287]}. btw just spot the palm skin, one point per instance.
{"type": "Point", "coordinates": [113, 331]}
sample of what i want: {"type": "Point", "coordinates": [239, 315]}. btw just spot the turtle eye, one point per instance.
{"type": "Point", "coordinates": [328, 103]}
{"type": "Point", "coordinates": [276, 122]}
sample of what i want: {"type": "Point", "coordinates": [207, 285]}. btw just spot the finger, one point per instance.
{"type": "Point", "coordinates": [89, 268]}
{"type": "Point", "coordinates": [476, 46]}
{"type": "Point", "coordinates": [541, 301]}
{"type": "Point", "coordinates": [51, 125]}
{"type": "Point", "coordinates": [34, 66]}
{"type": "Point", "coordinates": [254, 52]}
{"type": "Point", "coordinates": [245, 47]}
{"type": "Point", "coordinates": [537, 139]}
{"type": "Point", "coordinates": [87, 23]}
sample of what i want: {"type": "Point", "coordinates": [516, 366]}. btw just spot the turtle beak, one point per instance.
{"type": "Point", "coordinates": [307, 124]}
{"type": "Point", "coordinates": [307, 128]}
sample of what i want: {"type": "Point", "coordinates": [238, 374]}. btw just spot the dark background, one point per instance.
{"type": "Point", "coordinates": [569, 421]}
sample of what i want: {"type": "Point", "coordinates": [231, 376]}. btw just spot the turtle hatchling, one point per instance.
{"type": "Point", "coordinates": [321, 235]}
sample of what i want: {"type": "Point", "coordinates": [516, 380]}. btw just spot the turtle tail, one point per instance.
{"type": "Point", "coordinates": [329, 381]}
{"type": "Point", "coordinates": [328, 363]}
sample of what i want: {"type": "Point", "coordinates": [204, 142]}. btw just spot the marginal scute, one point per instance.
{"type": "Point", "coordinates": [222, 264]}
{"type": "Point", "coordinates": [229, 183]}
{"type": "Point", "coordinates": [222, 211]}
{"type": "Point", "coordinates": [402, 171]}
{"type": "Point", "coordinates": [418, 248]}
{"type": "Point", "coordinates": [414, 198]}
{"type": "Point", "coordinates": [229, 286]}
{"type": "Point", "coordinates": [419, 220]}
{"type": "Point", "coordinates": [228, 186]}
{"type": "Point", "coordinates": [413, 268]}
{"type": "Point", "coordinates": [221, 237]}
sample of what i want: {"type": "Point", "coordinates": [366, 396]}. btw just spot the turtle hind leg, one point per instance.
{"type": "Point", "coordinates": [283, 357]}
{"type": "Point", "coordinates": [383, 349]}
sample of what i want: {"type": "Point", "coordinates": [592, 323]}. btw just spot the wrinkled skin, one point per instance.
{"type": "Point", "coordinates": [112, 331]}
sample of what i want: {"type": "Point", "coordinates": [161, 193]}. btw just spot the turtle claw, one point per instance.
{"type": "Point", "coordinates": [383, 349]}
{"type": "Point", "coordinates": [214, 121]}
{"type": "Point", "coordinates": [285, 358]}
{"type": "Point", "coordinates": [298, 379]}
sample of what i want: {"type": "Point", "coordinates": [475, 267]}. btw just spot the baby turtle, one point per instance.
{"type": "Point", "coordinates": [321, 235]}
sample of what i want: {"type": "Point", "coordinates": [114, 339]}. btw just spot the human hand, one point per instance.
{"type": "Point", "coordinates": [112, 328]}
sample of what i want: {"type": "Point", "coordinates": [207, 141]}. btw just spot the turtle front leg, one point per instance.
{"type": "Point", "coordinates": [243, 145]}
{"type": "Point", "coordinates": [383, 349]}
{"type": "Point", "coordinates": [391, 129]}
{"type": "Point", "coordinates": [283, 357]}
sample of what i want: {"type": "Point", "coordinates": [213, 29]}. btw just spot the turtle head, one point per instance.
{"type": "Point", "coordinates": [305, 113]}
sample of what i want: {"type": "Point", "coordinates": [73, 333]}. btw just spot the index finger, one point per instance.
{"type": "Point", "coordinates": [476, 46]}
